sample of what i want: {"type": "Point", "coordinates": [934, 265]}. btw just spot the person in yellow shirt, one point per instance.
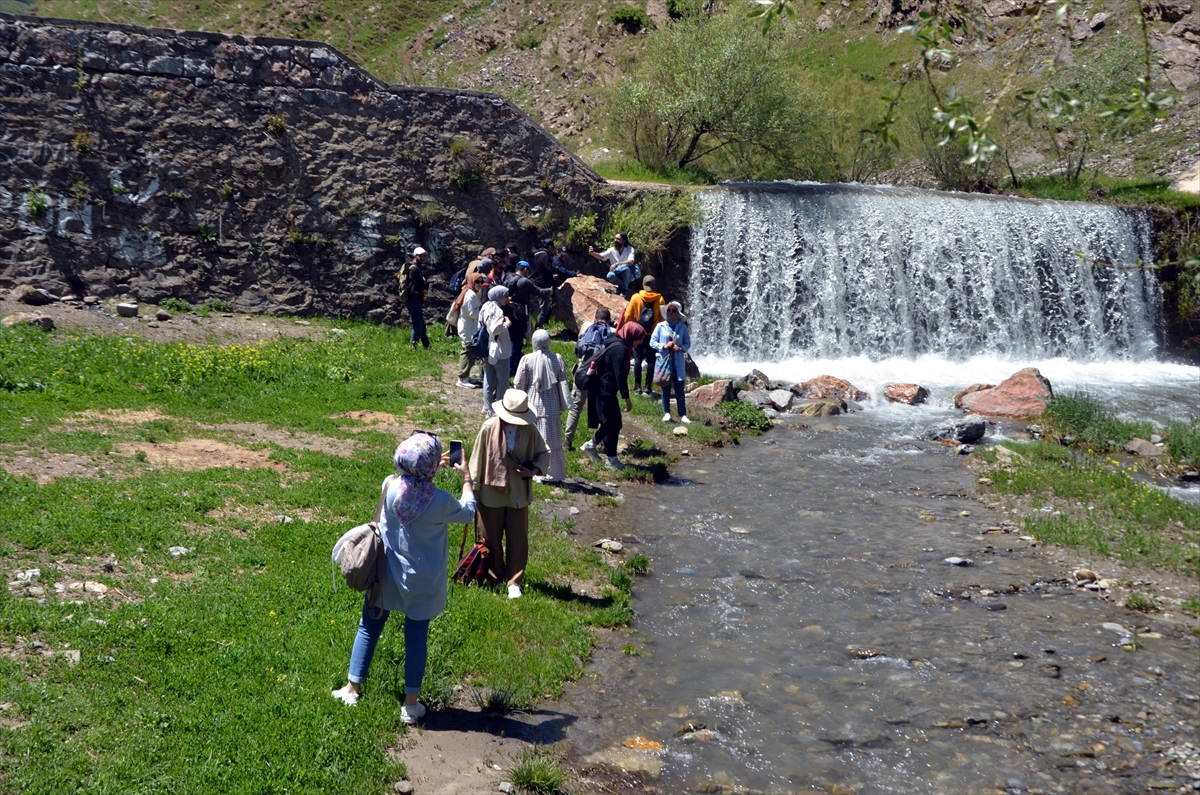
{"type": "Point", "coordinates": [644, 308]}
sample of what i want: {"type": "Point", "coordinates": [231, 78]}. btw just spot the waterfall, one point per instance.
{"type": "Point", "coordinates": [783, 270]}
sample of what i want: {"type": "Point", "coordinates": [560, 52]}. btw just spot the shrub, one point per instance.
{"type": "Point", "coordinates": [581, 229]}
{"type": "Point", "coordinates": [632, 19]}
{"type": "Point", "coordinates": [207, 235]}
{"type": "Point", "coordinates": [466, 166]}
{"type": "Point", "coordinates": [38, 203]}
{"type": "Point", "coordinates": [218, 305]}
{"type": "Point", "coordinates": [744, 415]}
{"type": "Point", "coordinates": [651, 221]}
{"type": "Point", "coordinates": [529, 41]}
{"type": "Point", "coordinates": [82, 143]}
{"type": "Point", "coordinates": [429, 213]}
{"type": "Point", "coordinates": [174, 304]}
{"type": "Point", "coordinates": [277, 125]}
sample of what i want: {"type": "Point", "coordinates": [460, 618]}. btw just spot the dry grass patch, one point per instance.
{"type": "Point", "coordinates": [256, 432]}
{"type": "Point", "coordinates": [193, 454]}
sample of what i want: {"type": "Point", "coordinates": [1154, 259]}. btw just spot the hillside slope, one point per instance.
{"type": "Point", "coordinates": [557, 60]}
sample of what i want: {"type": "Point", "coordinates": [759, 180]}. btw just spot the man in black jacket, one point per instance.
{"type": "Point", "coordinates": [522, 290]}
{"type": "Point", "coordinates": [547, 273]}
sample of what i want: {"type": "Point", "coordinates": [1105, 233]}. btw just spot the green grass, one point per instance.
{"type": "Point", "coordinates": [1104, 508]}
{"type": "Point", "coordinates": [636, 171]}
{"type": "Point", "coordinates": [1108, 190]}
{"type": "Point", "coordinates": [744, 415]}
{"type": "Point", "coordinates": [211, 672]}
{"type": "Point", "coordinates": [1093, 427]}
{"type": "Point", "coordinates": [538, 772]}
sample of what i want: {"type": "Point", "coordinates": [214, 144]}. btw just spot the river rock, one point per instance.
{"type": "Point", "coordinates": [25, 294]}
{"type": "Point", "coordinates": [912, 394]}
{"type": "Point", "coordinates": [162, 314]}
{"type": "Point", "coordinates": [1025, 393]}
{"type": "Point", "coordinates": [690, 368]}
{"type": "Point", "coordinates": [818, 408]}
{"type": "Point", "coordinates": [710, 395]}
{"type": "Point", "coordinates": [781, 399]}
{"type": "Point", "coordinates": [758, 379]}
{"type": "Point", "coordinates": [1143, 448]}
{"type": "Point", "coordinates": [38, 319]}
{"type": "Point", "coordinates": [127, 310]}
{"type": "Point", "coordinates": [964, 430]}
{"type": "Point", "coordinates": [580, 297]}
{"type": "Point", "coordinates": [824, 387]}
{"type": "Point", "coordinates": [755, 396]}
{"type": "Point", "coordinates": [959, 395]}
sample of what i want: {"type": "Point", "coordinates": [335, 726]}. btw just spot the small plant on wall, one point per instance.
{"type": "Point", "coordinates": [82, 143]}
{"type": "Point", "coordinates": [38, 202]}
{"type": "Point", "coordinates": [466, 164]}
{"type": "Point", "coordinates": [277, 125]}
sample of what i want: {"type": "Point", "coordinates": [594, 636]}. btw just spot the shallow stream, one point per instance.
{"type": "Point", "coordinates": [801, 631]}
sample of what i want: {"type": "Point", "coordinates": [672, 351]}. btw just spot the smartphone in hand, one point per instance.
{"type": "Point", "coordinates": [456, 452]}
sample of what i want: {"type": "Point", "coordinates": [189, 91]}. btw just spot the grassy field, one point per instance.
{"type": "Point", "coordinates": [211, 672]}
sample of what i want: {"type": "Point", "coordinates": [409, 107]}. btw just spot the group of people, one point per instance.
{"type": "Point", "coordinates": [520, 441]}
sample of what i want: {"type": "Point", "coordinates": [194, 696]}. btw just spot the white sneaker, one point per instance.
{"type": "Point", "coordinates": [410, 715]}
{"type": "Point", "coordinates": [685, 420]}
{"type": "Point", "coordinates": [514, 591]}
{"type": "Point", "coordinates": [465, 385]}
{"type": "Point", "coordinates": [346, 697]}
{"type": "Point", "coordinates": [667, 417]}
{"type": "Point", "coordinates": [589, 447]}
{"type": "Point", "coordinates": [613, 462]}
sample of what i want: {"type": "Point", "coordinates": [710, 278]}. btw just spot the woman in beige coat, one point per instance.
{"type": "Point", "coordinates": [508, 452]}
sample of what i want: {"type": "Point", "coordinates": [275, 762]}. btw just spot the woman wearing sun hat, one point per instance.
{"type": "Point", "coordinates": [508, 452]}
{"type": "Point", "coordinates": [414, 525]}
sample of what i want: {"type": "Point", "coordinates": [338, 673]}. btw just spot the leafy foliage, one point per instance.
{"type": "Point", "coordinates": [744, 415]}
{"type": "Point", "coordinates": [712, 91]}
{"type": "Point", "coordinates": [632, 19]}
{"type": "Point", "coordinates": [581, 229]}
{"type": "Point", "coordinates": [651, 220]}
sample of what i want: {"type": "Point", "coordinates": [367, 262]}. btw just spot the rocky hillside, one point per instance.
{"type": "Point", "coordinates": [557, 60]}
{"type": "Point", "coordinates": [270, 173]}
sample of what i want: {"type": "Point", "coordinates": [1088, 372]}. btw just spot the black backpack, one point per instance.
{"type": "Point", "coordinates": [456, 281]}
{"type": "Point", "coordinates": [587, 373]}
{"type": "Point", "coordinates": [646, 319]}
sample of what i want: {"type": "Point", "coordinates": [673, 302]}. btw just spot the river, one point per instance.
{"type": "Point", "coordinates": [801, 631]}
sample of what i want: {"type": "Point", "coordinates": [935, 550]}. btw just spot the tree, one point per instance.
{"type": "Point", "coordinates": [710, 88]}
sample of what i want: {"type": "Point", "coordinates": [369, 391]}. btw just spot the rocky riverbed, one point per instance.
{"type": "Point", "coordinates": [829, 612]}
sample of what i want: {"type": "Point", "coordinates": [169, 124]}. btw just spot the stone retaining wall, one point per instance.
{"type": "Point", "coordinates": [272, 173]}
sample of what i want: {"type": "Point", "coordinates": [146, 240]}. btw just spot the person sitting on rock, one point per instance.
{"type": "Point", "coordinates": [619, 257]}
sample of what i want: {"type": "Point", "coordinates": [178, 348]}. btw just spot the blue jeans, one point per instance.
{"type": "Point", "coordinates": [621, 276]}
{"type": "Point", "coordinates": [416, 312]}
{"type": "Point", "coordinates": [666, 396]}
{"type": "Point", "coordinates": [416, 648]}
{"type": "Point", "coordinates": [495, 383]}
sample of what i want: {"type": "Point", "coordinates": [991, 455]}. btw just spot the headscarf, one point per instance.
{"type": "Point", "coordinates": [484, 265]}
{"type": "Point", "coordinates": [543, 377]}
{"type": "Point", "coordinates": [497, 293]}
{"type": "Point", "coordinates": [417, 458]}
{"type": "Point", "coordinates": [632, 335]}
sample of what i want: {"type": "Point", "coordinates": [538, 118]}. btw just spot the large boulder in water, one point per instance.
{"type": "Point", "coordinates": [912, 394]}
{"type": "Point", "coordinates": [710, 395]}
{"type": "Point", "coordinates": [824, 387]}
{"type": "Point", "coordinates": [1026, 393]}
{"type": "Point", "coordinates": [756, 396]}
{"type": "Point", "coordinates": [960, 394]}
{"type": "Point", "coordinates": [580, 297]}
{"type": "Point", "coordinates": [964, 430]}
{"type": "Point", "coordinates": [781, 399]}
{"type": "Point", "coordinates": [758, 379]}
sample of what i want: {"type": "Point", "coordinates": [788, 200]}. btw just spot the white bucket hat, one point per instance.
{"type": "Point", "coordinates": [514, 408]}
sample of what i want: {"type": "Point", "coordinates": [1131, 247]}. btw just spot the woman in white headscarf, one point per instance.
{"type": "Point", "coordinates": [539, 374]}
{"type": "Point", "coordinates": [495, 369]}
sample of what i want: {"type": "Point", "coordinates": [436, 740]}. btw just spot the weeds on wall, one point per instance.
{"type": "Point", "coordinates": [277, 125]}
{"type": "Point", "coordinates": [466, 163]}
{"type": "Point", "coordinates": [38, 202]}
{"type": "Point", "coordinates": [82, 143]}
{"type": "Point", "coordinates": [581, 229]}
{"type": "Point", "coordinates": [651, 220]}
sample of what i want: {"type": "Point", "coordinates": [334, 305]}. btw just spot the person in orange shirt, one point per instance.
{"type": "Point", "coordinates": [645, 309]}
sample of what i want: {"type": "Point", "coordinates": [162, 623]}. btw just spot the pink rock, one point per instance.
{"type": "Point", "coordinates": [912, 394]}
{"type": "Point", "coordinates": [710, 395]}
{"type": "Point", "coordinates": [959, 395]}
{"type": "Point", "coordinates": [584, 295]}
{"type": "Point", "coordinates": [1023, 394]}
{"type": "Point", "coordinates": [824, 387]}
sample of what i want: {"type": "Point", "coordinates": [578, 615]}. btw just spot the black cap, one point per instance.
{"type": "Point", "coordinates": [548, 243]}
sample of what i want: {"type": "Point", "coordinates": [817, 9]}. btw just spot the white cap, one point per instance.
{"type": "Point", "coordinates": [419, 250]}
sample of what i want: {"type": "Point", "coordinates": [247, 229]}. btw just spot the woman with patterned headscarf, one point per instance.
{"type": "Point", "coordinates": [414, 525]}
{"type": "Point", "coordinates": [539, 374]}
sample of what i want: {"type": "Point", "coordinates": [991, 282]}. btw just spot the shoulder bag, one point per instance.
{"type": "Point", "coordinates": [473, 567]}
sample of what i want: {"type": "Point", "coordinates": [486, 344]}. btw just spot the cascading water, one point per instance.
{"type": "Point", "coordinates": [783, 270]}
